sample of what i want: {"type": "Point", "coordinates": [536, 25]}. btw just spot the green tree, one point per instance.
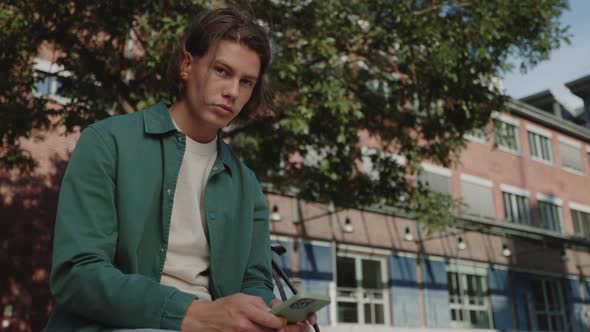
{"type": "Point", "coordinates": [415, 74]}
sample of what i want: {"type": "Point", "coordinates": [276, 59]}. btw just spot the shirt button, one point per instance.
{"type": "Point", "coordinates": [169, 191]}
{"type": "Point", "coordinates": [179, 139]}
{"type": "Point", "coordinates": [162, 250]}
{"type": "Point", "coordinates": [214, 168]}
{"type": "Point", "coordinates": [212, 216]}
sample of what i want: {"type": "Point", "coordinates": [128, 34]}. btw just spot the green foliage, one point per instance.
{"type": "Point", "coordinates": [416, 74]}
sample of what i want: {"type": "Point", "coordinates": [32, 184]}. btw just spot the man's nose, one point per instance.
{"type": "Point", "coordinates": [232, 89]}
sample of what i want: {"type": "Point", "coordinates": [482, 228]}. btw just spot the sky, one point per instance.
{"type": "Point", "coordinates": [566, 64]}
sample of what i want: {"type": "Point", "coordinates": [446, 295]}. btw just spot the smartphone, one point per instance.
{"type": "Point", "coordinates": [299, 306]}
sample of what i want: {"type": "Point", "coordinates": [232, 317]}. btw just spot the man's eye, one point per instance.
{"type": "Point", "coordinates": [219, 70]}
{"type": "Point", "coordinates": [247, 83]}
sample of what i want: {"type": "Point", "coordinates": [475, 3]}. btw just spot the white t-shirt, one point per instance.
{"type": "Point", "coordinates": [187, 261]}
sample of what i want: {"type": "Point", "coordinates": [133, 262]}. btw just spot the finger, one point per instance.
{"type": "Point", "coordinates": [253, 327]}
{"type": "Point", "coordinates": [264, 318]}
{"type": "Point", "coordinates": [302, 326]}
{"type": "Point", "coordinates": [257, 302]}
{"type": "Point", "coordinates": [259, 328]}
{"type": "Point", "coordinates": [275, 302]}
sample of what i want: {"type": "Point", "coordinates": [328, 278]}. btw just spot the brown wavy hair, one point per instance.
{"type": "Point", "coordinates": [225, 24]}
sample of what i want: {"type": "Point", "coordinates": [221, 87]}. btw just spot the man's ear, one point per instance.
{"type": "Point", "coordinates": [185, 64]}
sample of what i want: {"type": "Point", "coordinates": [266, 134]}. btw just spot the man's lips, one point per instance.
{"type": "Point", "coordinates": [224, 107]}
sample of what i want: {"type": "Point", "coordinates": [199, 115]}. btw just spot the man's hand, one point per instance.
{"type": "Point", "coordinates": [300, 326]}
{"type": "Point", "coordinates": [238, 312]}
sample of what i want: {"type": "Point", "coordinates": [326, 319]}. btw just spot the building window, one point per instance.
{"type": "Point", "coordinates": [367, 155]}
{"type": "Point", "coordinates": [506, 135]}
{"type": "Point", "coordinates": [361, 292]}
{"type": "Point", "coordinates": [581, 223]}
{"type": "Point", "coordinates": [547, 305]}
{"type": "Point", "coordinates": [571, 156]}
{"type": "Point", "coordinates": [540, 146]}
{"type": "Point", "coordinates": [436, 178]}
{"type": "Point", "coordinates": [467, 300]}
{"type": "Point", "coordinates": [477, 135]}
{"type": "Point", "coordinates": [47, 84]}
{"type": "Point", "coordinates": [550, 215]}
{"type": "Point", "coordinates": [516, 208]}
{"type": "Point", "coordinates": [48, 80]}
{"type": "Point", "coordinates": [478, 197]}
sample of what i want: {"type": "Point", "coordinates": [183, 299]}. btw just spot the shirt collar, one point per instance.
{"type": "Point", "coordinates": [157, 121]}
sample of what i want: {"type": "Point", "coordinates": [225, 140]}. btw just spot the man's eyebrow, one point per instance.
{"type": "Point", "coordinates": [247, 76]}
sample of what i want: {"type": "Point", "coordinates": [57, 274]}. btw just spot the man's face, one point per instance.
{"type": "Point", "coordinates": [220, 83]}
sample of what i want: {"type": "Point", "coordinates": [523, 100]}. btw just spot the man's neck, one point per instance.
{"type": "Point", "coordinates": [191, 125]}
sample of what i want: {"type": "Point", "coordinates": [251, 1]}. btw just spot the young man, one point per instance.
{"type": "Point", "coordinates": [159, 224]}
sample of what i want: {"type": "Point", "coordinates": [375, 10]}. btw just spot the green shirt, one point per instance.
{"type": "Point", "coordinates": [113, 221]}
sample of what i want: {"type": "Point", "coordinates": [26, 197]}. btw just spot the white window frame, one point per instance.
{"type": "Point", "coordinates": [359, 291]}
{"type": "Point", "coordinates": [476, 180]}
{"type": "Point", "coordinates": [579, 207]}
{"type": "Point", "coordinates": [473, 138]}
{"type": "Point", "coordinates": [544, 133]}
{"type": "Point", "coordinates": [574, 144]}
{"type": "Point", "coordinates": [531, 305]}
{"type": "Point", "coordinates": [49, 67]}
{"type": "Point", "coordinates": [436, 169]}
{"type": "Point", "coordinates": [549, 199]}
{"type": "Point", "coordinates": [514, 190]}
{"type": "Point", "coordinates": [511, 121]}
{"type": "Point", "coordinates": [462, 271]}
{"type": "Point", "coordinates": [505, 118]}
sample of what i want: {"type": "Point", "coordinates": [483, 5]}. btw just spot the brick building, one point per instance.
{"type": "Point", "coordinates": [518, 257]}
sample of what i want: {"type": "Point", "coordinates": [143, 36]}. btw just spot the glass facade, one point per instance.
{"type": "Point", "coordinates": [547, 305]}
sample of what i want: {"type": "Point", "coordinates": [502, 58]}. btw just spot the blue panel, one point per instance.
{"type": "Point", "coordinates": [284, 260]}
{"type": "Point", "coordinates": [436, 294]}
{"type": "Point", "coordinates": [574, 305]}
{"type": "Point", "coordinates": [521, 284]}
{"type": "Point", "coordinates": [404, 291]}
{"type": "Point", "coordinates": [319, 287]}
{"type": "Point", "coordinates": [316, 273]}
{"type": "Point", "coordinates": [500, 300]}
{"type": "Point", "coordinates": [316, 262]}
